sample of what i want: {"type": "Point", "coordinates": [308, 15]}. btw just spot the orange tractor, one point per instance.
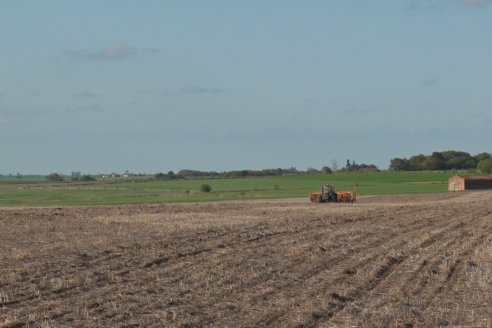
{"type": "Point", "coordinates": [329, 194]}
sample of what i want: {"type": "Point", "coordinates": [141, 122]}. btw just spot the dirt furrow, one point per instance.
{"type": "Point", "coordinates": [379, 275]}
{"type": "Point", "coordinates": [404, 262]}
{"type": "Point", "coordinates": [420, 272]}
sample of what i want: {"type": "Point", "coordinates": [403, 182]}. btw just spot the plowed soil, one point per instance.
{"type": "Point", "coordinates": [404, 261]}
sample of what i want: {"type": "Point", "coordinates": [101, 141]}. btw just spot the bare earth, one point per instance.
{"type": "Point", "coordinates": [395, 261]}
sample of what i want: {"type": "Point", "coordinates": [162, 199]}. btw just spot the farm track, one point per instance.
{"type": "Point", "coordinates": [385, 262]}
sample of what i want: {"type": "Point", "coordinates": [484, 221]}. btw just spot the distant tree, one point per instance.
{"type": "Point", "coordinates": [334, 165]}
{"type": "Point", "coordinates": [87, 178]}
{"type": "Point", "coordinates": [437, 161]}
{"type": "Point", "coordinates": [326, 170]}
{"type": "Point", "coordinates": [480, 157]}
{"type": "Point", "coordinates": [312, 171]}
{"type": "Point", "coordinates": [360, 168]}
{"type": "Point", "coordinates": [160, 176]}
{"type": "Point", "coordinates": [183, 174]}
{"type": "Point", "coordinates": [399, 164]}
{"type": "Point", "coordinates": [54, 177]}
{"type": "Point", "coordinates": [171, 175]}
{"type": "Point", "coordinates": [471, 164]}
{"type": "Point", "coordinates": [430, 164]}
{"type": "Point", "coordinates": [292, 170]}
{"type": "Point", "coordinates": [206, 188]}
{"type": "Point", "coordinates": [244, 173]}
{"type": "Point", "coordinates": [367, 168]}
{"type": "Point", "coordinates": [485, 166]}
{"type": "Point", "coordinates": [457, 160]}
{"type": "Point", "coordinates": [416, 162]}
{"type": "Point", "coordinates": [445, 160]}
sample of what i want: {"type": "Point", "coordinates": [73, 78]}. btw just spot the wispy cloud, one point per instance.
{"type": "Point", "coordinates": [484, 118]}
{"type": "Point", "coordinates": [476, 3]}
{"type": "Point", "coordinates": [439, 4]}
{"type": "Point", "coordinates": [150, 51]}
{"type": "Point", "coordinates": [416, 5]}
{"type": "Point", "coordinates": [85, 95]}
{"type": "Point", "coordinates": [201, 90]}
{"type": "Point", "coordinates": [24, 113]}
{"type": "Point", "coordinates": [85, 109]}
{"type": "Point", "coordinates": [111, 52]}
{"type": "Point", "coordinates": [186, 90]}
{"type": "Point", "coordinates": [38, 113]}
{"type": "Point", "coordinates": [430, 81]}
{"type": "Point", "coordinates": [354, 112]}
{"type": "Point", "coordinates": [33, 94]}
{"type": "Point", "coordinates": [158, 92]}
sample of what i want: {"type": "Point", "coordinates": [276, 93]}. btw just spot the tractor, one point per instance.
{"type": "Point", "coordinates": [328, 194]}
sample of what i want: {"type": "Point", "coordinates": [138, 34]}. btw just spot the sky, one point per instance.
{"type": "Point", "coordinates": [101, 86]}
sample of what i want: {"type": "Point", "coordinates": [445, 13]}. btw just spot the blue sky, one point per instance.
{"type": "Point", "coordinates": [152, 86]}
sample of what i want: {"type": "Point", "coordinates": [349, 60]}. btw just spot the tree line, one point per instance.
{"type": "Point", "coordinates": [445, 160]}
{"type": "Point", "coordinates": [194, 174]}
{"type": "Point", "coordinates": [350, 167]}
{"type": "Point", "coordinates": [437, 161]}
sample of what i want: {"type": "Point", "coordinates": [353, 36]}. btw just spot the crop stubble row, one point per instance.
{"type": "Point", "coordinates": [380, 263]}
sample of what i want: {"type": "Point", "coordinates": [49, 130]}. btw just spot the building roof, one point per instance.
{"type": "Point", "coordinates": [485, 177]}
{"type": "Point", "coordinates": [474, 177]}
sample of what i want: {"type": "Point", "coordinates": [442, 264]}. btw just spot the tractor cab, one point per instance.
{"type": "Point", "coordinates": [328, 193]}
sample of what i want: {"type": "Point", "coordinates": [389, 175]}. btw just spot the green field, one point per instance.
{"type": "Point", "coordinates": [32, 192]}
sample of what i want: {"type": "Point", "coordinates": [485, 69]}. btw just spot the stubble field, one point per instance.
{"type": "Point", "coordinates": [385, 261]}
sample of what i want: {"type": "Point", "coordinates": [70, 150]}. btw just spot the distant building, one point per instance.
{"type": "Point", "coordinates": [462, 183]}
